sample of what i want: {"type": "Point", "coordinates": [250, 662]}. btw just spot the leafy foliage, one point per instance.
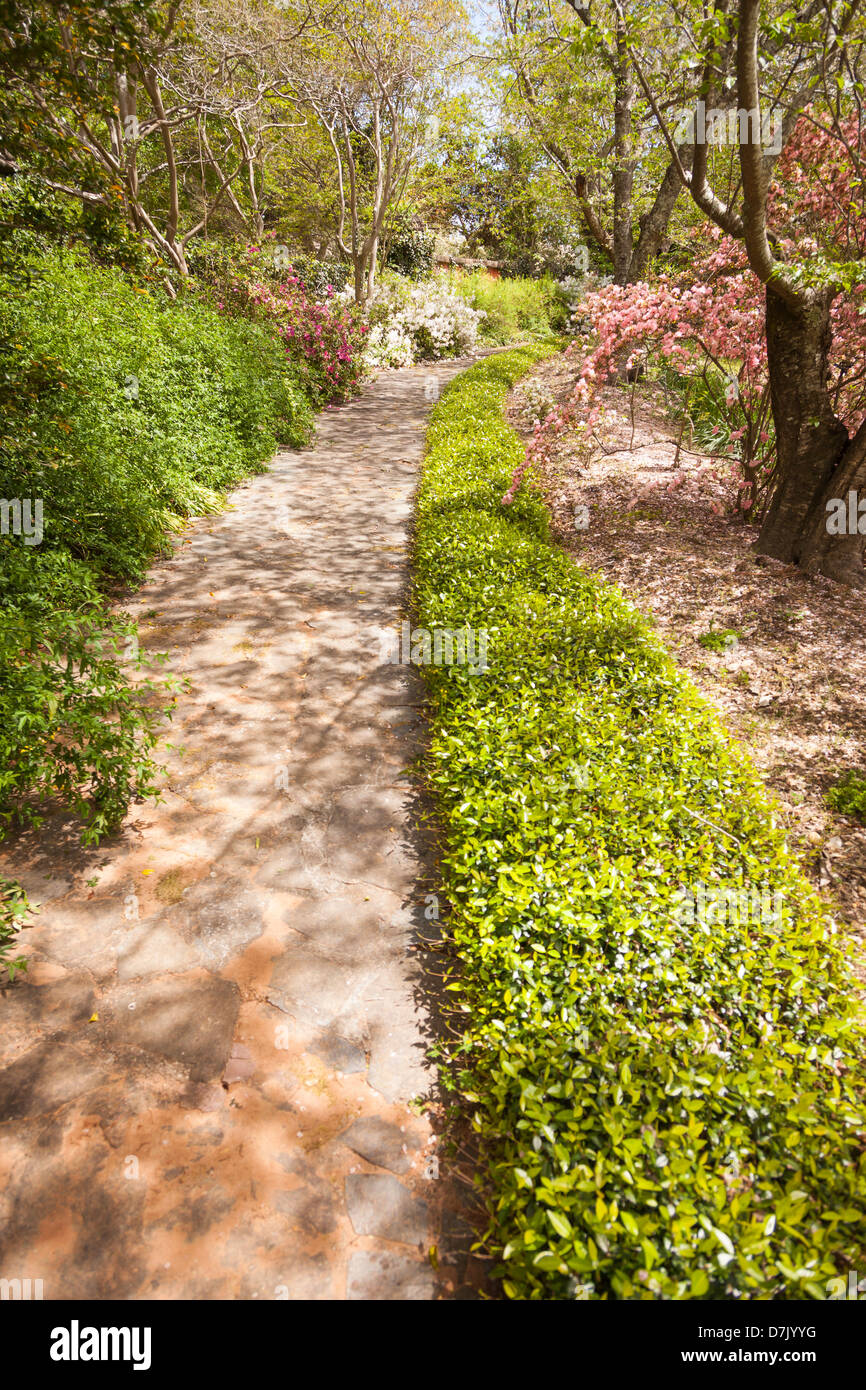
{"type": "Point", "coordinates": [14, 909]}
{"type": "Point", "coordinates": [323, 338]}
{"type": "Point", "coordinates": [122, 413]}
{"type": "Point", "coordinates": [74, 728]}
{"type": "Point", "coordinates": [514, 308]}
{"type": "Point", "coordinates": [125, 412]}
{"type": "Point", "coordinates": [410, 252]}
{"type": "Point", "coordinates": [667, 1107]}
{"type": "Point", "coordinates": [320, 278]}
{"type": "Point", "coordinates": [34, 219]}
{"type": "Point", "coordinates": [848, 796]}
{"type": "Point", "coordinates": [719, 639]}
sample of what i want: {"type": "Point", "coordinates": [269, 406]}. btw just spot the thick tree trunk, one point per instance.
{"type": "Point", "coordinates": [816, 461]}
{"type": "Point", "coordinates": [825, 547]}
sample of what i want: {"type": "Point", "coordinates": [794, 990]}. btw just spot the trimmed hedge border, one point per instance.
{"type": "Point", "coordinates": [667, 1108]}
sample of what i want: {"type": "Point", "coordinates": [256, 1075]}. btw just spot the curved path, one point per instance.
{"type": "Point", "coordinates": [209, 1077]}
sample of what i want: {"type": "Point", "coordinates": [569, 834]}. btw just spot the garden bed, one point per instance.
{"type": "Point", "coordinates": [792, 687]}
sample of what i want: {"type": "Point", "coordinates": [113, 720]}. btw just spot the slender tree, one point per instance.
{"type": "Point", "coordinates": [576, 86]}
{"type": "Point", "coordinates": [371, 77]}
{"type": "Point", "coordinates": [133, 100]}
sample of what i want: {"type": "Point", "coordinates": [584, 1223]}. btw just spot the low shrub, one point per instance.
{"type": "Point", "coordinates": [320, 279]}
{"type": "Point", "coordinates": [514, 308]}
{"type": "Point", "coordinates": [326, 341]}
{"type": "Point", "coordinates": [848, 796]}
{"type": "Point", "coordinates": [668, 1101]}
{"type": "Point", "coordinates": [704, 400]}
{"type": "Point", "coordinates": [74, 727]}
{"type": "Point", "coordinates": [720, 639]}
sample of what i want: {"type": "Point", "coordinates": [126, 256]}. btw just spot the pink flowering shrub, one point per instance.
{"type": "Point", "coordinates": [324, 338]}
{"type": "Point", "coordinates": [819, 191]}
{"type": "Point", "coordinates": [707, 323]}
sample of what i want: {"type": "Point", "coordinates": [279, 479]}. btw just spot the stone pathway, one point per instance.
{"type": "Point", "coordinates": [209, 1077]}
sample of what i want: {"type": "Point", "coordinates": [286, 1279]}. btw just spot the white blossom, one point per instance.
{"type": "Point", "coordinates": [415, 322]}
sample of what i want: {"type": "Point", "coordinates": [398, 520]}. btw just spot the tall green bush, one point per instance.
{"type": "Point", "coordinates": [669, 1103]}
{"type": "Point", "coordinates": [125, 411]}
{"type": "Point", "coordinates": [121, 413]}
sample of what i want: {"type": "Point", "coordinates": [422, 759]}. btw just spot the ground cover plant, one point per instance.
{"type": "Point", "coordinates": [655, 1041]}
{"type": "Point", "coordinates": [848, 796]}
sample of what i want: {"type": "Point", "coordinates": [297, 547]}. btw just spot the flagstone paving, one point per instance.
{"type": "Point", "coordinates": [211, 1074]}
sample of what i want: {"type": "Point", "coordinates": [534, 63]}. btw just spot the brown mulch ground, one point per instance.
{"type": "Point", "coordinates": [793, 688]}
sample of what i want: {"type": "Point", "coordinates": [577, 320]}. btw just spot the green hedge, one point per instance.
{"type": "Point", "coordinates": [666, 1108]}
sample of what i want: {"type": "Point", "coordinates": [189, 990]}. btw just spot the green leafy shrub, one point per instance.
{"type": "Point", "coordinates": [719, 639]}
{"type": "Point", "coordinates": [724, 424]}
{"type": "Point", "coordinates": [515, 308]}
{"type": "Point", "coordinates": [848, 796]}
{"type": "Point", "coordinates": [125, 412]}
{"type": "Point", "coordinates": [320, 279]}
{"type": "Point", "coordinates": [410, 252]}
{"type": "Point", "coordinates": [74, 729]}
{"type": "Point", "coordinates": [121, 413]}
{"type": "Point", "coordinates": [36, 219]}
{"type": "Point", "coordinates": [14, 910]}
{"type": "Point", "coordinates": [667, 1107]}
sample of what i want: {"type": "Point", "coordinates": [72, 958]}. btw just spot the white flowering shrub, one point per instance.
{"type": "Point", "coordinates": [419, 322]}
{"type": "Point", "coordinates": [389, 347]}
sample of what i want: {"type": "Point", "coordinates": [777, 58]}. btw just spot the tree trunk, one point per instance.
{"type": "Point", "coordinates": [654, 224]}
{"type": "Point", "coordinates": [371, 268]}
{"type": "Point", "coordinates": [822, 550]}
{"type": "Point", "coordinates": [360, 277]}
{"type": "Point", "coordinates": [816, 461]}
{"type": "Point", "coordinates": [623, 167]}
{"type": "Point", "coordinates": [591, 220]}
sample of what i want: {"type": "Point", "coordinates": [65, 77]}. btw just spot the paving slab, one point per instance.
{"type": "Point", "coordinates": [380, 1205]}
{"type": "Point", "coordinates": [384, 1144]}
{"type": "Point", "coordinates": [375, 1277]}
